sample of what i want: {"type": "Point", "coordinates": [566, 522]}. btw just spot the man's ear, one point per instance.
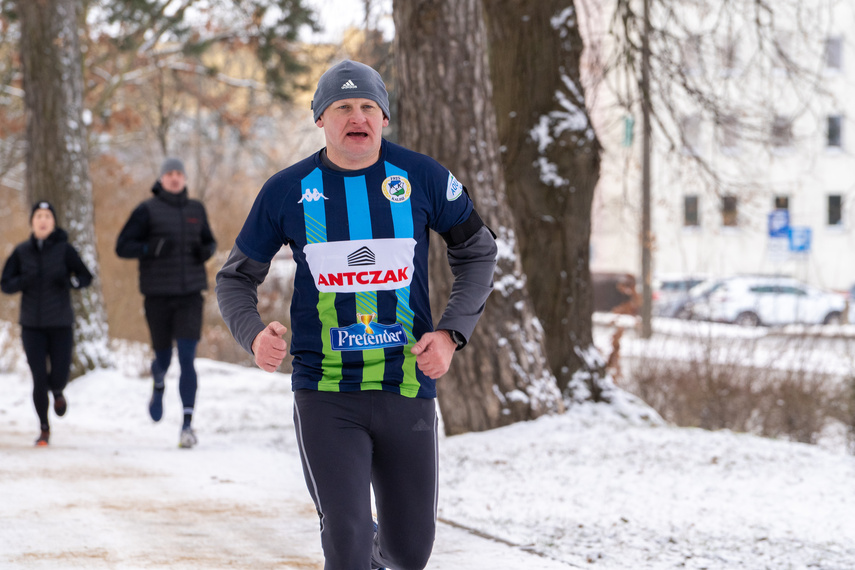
{"type": "Point", "coordinates": [385, 121]}
{"type": "Point", "coordinates": [320, 122]}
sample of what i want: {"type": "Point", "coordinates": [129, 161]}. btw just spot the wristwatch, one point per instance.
{"type": "Point", "coordinates": [457, 338]}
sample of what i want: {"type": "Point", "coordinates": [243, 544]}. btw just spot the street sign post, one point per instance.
{"type": "Point", "coordinates": [800, 238]}
{"type": "Point", "coordinates": [779, 223]}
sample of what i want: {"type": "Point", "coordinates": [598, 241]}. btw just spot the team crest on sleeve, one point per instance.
{"type": "Point", "coordinates": [397, 189]}
{"type": "Point", "coordinates": [455, 188]}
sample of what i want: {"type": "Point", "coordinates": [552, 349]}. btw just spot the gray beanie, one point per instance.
{"type": "Point", "coordinates": [349, 80]}
{"type": "Point", "coordinates": [171, 164]}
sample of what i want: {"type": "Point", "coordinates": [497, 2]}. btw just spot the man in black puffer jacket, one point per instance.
{"type": "Point", "coordinates": [170, 236]}
{"type": "Point", "coordinates": [44, 268]}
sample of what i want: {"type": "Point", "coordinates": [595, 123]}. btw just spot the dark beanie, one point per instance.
{"type": "Point", "coordinates": [42, 205]}
{"type": "Point", "coordinates": [171, 164]}
{"type": "Point", "coordinates": [349, 80]}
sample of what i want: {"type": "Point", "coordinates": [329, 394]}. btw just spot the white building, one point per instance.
{"type": "Point", "coordinates": [778, 132]}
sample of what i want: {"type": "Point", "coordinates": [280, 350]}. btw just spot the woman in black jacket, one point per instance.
{"type": "Point", "coordinates": [44, 268]}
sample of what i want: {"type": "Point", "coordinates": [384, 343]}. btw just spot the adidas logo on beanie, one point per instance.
{"type": "Point", "coordinates": [349, 80]}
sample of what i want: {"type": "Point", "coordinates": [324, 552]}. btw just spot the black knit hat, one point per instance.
{"type": "Point", "coordinates": [349, 80]}
{"type": "Point", "coordinates": [42, 205]}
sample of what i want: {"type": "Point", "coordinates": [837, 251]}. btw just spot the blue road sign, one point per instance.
{"type": "Point", "coordinates": [800, 239]}
{"type": "Point", "coordinates": [779, 223]}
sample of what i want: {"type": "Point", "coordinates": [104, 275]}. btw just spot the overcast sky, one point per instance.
{"type": "Point", "coordinates": [337, 15]}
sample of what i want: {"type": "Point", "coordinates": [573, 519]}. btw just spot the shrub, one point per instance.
{"type": "Point", "coordinates": [742, 385]}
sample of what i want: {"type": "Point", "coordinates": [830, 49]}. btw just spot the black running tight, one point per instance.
{"type": "Point", "coordinates": [49, 356]}
{"type": "Point", "coordinates": [352, 441]}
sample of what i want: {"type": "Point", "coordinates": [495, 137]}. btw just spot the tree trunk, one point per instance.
{"type": "Point", "coordinates": [551, 162]}
{"type": "Point", "coordinates": [446, 112]}
{"type": "Point", "coordinates": [57, 152]}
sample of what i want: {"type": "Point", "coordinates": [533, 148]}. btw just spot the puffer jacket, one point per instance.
{"type": "Point", "coordinates": [44, 275]}
{"type": "Point", "coordinates": [170, 236]}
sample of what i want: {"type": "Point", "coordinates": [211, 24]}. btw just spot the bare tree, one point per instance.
{"type": "Point", "coordinates": [12, 117]}
{"type": "Point", "coordinates": [128, 44]}
{"type": "Point", "coordinates": [734, 62]}
{"type": "Point", "coordinates": [57, 151]}
{"type": "Point", "coordinates": [150, 70]}
{"type": "Point", "coordinates": [446, 111]}
{"type": "Point", "coordinates": [730, 83]}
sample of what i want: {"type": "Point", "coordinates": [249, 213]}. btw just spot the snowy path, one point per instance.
{"type": "Point", "coordinates": [594, 488]}
{"type": "Point", "coordinates": [114, 491]}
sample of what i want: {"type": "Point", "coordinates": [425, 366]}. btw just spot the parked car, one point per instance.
{"type": "Point", "coordinates": [698, 297]}
{"type": "Point", "coordinates": [752, 301]}
{"type": "Point", "coordinates": [671, 293]}
{"type": "Point", "coordinates": [850, 300]}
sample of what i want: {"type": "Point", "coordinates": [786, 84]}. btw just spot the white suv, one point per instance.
{"type": "Point", "coordinates": [671, 293]}
{"type": "Point", "coordinates": [752, 301]}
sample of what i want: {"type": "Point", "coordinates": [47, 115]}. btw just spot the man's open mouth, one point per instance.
{"type": "Point", "coordinates": [358, 135]}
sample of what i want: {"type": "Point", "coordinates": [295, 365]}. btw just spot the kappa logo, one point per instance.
{"type": "Point", "coordinates": [349, 85]}
{"type": "Point", "coordinates": [311, 195]}
{"type": "Point", "coordinates": [362, 256]}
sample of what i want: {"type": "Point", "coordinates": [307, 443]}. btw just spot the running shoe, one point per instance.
{"type": "Point", "coordinates": [155, 405]}
{"type": "Point", "coordinates": [187, 438]}
{"type": "Point", "coordinates": [59, 404]}
{"type": "Point", "coordinates": [43, 439]}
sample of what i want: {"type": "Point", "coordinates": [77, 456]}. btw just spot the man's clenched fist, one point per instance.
{"type": "Point", "coordinates": [269, 348]}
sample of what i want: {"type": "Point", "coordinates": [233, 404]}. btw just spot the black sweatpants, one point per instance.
{"type": "Point", "coordinates": [49, 356]}
{"type": "Point", "coordinates": [350, 442]}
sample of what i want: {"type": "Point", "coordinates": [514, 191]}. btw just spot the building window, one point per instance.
{"type": "Point", "coordinates": [781, 203]}
{"type": "Point", "coordinates": [729, 133]}
{"type": "Point", "coordinates": [690, 211]}
{"type": "Point", "coordinates": [691, 56]}
{"type": "Point", "coordinates": [728, 211]}
{"type": "Point", "coordinates": [834, 134]}
{"type": "Point", "coordinates": [628, 130]}
{"type": "Point", "coordinates": [834, 53]}
{"type": "Point", "coordinates": [835, 210]}
{"type": "Point", "coordinates": [728, 56]}
{"type": "Point", "coordinates": [690, 130]}
{"type": "Point", "coordinates": [782, 132]}
{"type": "Point", "coordinates": [782, 47]}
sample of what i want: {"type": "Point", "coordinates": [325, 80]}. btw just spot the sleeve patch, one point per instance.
{"type": "Point", "coordinates": [454, 189]}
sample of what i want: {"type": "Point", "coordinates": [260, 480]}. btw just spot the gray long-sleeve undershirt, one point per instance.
{"type": "Point", "coordinates": [472, 264]}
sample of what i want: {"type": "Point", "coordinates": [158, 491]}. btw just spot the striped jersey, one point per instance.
{"type": "Point", "coordinates": [360, 240]}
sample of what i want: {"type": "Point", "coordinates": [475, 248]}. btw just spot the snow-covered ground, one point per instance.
{"type": "Point", "coordinates": [820, 349]}
{"type": "Point", "coordinates": [598, 487]}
